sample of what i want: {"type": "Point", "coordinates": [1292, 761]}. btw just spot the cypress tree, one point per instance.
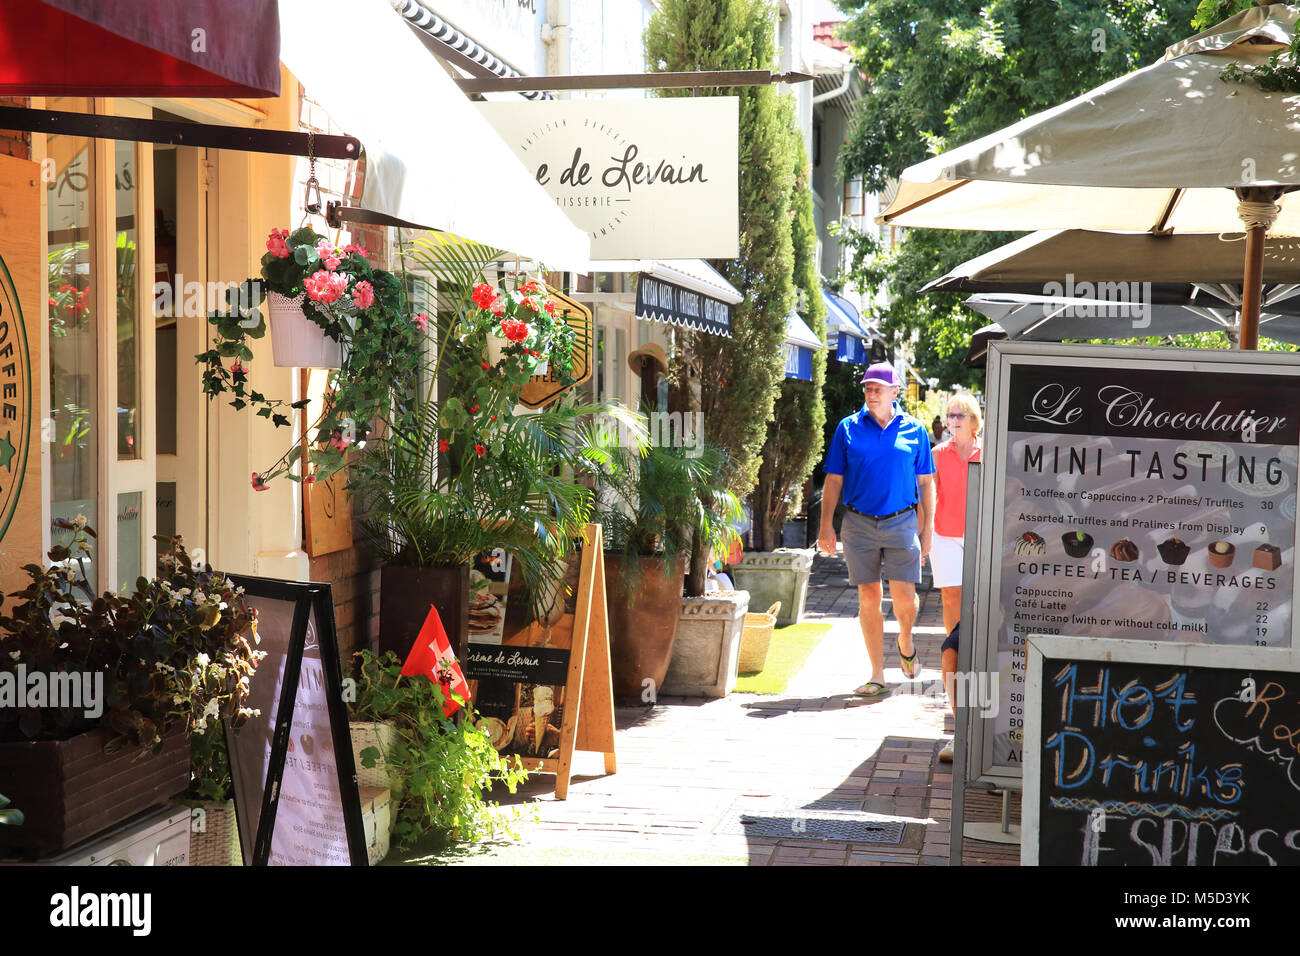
{"type": "Point", "coordinates": [794, 435]}
{"type": "Point", "coordinates": [740, 376]}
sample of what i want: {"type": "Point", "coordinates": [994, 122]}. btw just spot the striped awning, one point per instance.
{"type": "Point", "coordinates": [429, 23]}
{"type": "Point", "coordinates": [686, 292]}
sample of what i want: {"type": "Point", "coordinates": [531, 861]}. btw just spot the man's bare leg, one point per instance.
{"type": "Point", "coordinates": [872, 621]}
{"type": "Point", "coordinates": [906, 608]}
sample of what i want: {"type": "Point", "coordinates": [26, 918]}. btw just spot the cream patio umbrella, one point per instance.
{"type": "Point", "coordinates": [1171, 147]}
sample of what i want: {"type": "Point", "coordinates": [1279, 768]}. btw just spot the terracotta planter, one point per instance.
{"type": "Point", "coordinates": [70, 790]}
{"type": "Point", "coordinates": [297, 341]}
{"type": "Point", "coordinates": [642, 626]}
{"type": "Point", "coordinates": [404, 598]}
{"type": "Point", "coordinates": [707, 652]}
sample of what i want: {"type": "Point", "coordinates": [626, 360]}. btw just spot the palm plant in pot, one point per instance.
{"type": "Point", "coordinates": [658, 505]}
{"type": "Point", "coordinates": [456, 473]}
{"type": "Point", "coordinates": [147, 669]}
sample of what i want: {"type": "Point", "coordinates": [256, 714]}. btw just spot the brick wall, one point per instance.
{"type": "Point", "coordinates": [13, 142]}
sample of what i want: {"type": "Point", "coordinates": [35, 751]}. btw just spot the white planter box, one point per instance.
{"type": "Point", "coordinates": [297, 341]}
{"type": "Point", "coordinates": [707, 651]}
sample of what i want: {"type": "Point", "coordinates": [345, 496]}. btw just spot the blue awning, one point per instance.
{"type": "Point", "coordinates": [844, 328]}
{"type": "Point", "coordinates": [800, 343]}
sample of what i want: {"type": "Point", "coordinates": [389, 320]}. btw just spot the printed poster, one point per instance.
{"type": "Point", "coordinates": [518, 669]}
{"type": "Point", "coordinates": [1140, 502]}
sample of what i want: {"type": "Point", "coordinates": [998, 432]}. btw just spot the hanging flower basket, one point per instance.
{"type": "Point", "coordinates": [297, 341]}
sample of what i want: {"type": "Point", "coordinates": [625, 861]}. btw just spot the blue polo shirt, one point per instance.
{"type": "Point", "coordinates": [880, 465]}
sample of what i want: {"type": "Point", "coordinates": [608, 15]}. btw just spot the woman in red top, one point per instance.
{"type": "Point", "coordinates": [950, 459]}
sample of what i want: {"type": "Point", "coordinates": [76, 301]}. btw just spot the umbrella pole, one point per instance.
{"type": "Point", "coordinates": [1258, 209]}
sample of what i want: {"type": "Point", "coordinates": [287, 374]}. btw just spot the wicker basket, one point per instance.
{"type": "Point", "coordinates": [218, 843]}
{"type": "Point", "coordinates": [380, 736]}
{"type": "Point", "coordinates": [756, 639]}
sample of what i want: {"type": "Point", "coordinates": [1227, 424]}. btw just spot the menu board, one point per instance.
{"type": "Point", "coordinates": [292, 767]}
{"type": "Point", "coordinates": [1139, 493]}
{"type": "Point", "coordinates": [1158, 755]}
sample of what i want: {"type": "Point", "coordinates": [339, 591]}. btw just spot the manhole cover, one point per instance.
{"type": "Point", "coordinates": [837, 820]}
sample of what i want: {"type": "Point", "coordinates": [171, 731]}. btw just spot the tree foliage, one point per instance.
{"type": "Point", "coordinates": [794, 435]}
{"type": "Point", "coordinates": [741, 376]}
{"type": "Point", "coordinates": [945, 72]}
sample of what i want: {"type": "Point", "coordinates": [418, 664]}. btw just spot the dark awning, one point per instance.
{"type": "Point", "coordinates": [201, 48]}
{"type": "Point", "coordinates": [685, 292]}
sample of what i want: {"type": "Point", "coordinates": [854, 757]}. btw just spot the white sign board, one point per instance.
{"type": "Point", "coordinates": [1139, 494]}
{"type": "Point", "coordinates": [646, 179]}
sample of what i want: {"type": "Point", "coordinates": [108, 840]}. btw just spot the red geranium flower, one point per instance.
{"type": "Point", "coordinates": [480, 450]}
{"type": "Point", "coordinates": [514, 330]}
{"type": "Point", "coordinates": [444, 445]}
{"type": "Point", "coordinates": [483, 295]}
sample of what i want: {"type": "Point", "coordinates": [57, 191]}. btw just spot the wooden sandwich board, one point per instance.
{"type": "Point", "coordinates": [586, 698]}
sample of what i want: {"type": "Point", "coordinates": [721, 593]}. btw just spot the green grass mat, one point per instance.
{"type": "Point", "coordinates": [789, 649]}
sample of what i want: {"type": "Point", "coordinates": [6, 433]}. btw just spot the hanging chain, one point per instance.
{"type": "Point", "coordinates": [311, 208]}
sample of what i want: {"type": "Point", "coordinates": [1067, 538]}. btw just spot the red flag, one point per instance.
{"type": "Point", "coordinates": [431, 655]}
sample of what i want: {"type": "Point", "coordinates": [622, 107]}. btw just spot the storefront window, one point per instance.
{"type": "Point", "coordinates": [130, 539]}
{"type": "Point", "coordinates": [73, 429]}
{"type": "Point", "coordinates": [128, 319]}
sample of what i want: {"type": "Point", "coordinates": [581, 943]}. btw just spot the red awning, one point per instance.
{"type": "Point", "coordinates": [190, 48]}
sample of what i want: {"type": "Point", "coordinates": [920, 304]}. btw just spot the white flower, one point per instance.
{"type": "Point", "coordinates": [202, 659]}
{"type": "Point", "coordinates": [178, 699]}
{"type": "Point", "coordinates": [218, 672]}
{"type": "Point", "coordinates": [79, 521]}
{"type": "Point", "coordinates": [201, 725]}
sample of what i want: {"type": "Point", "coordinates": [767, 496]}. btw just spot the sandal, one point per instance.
{"type": "Point", "coordinates": [911, 666]}
{"type": "Point", "coordinates": [872, 689]}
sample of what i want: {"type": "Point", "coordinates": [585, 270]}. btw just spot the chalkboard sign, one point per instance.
{"type": "Point", "coordinates": [1148, 754]}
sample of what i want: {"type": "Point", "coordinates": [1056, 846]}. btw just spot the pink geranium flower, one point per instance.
{"type": "Point", "coordinates": [277, 245]}
{"type": "Point", "coordinates": [340, 441]}
{"type": "Point", "coordinates": [238, 369]}
{"type": "Point", "coordinates": [422, 321]}
{"type": "Point", "coordinates": [258, 484]}
{"type": "Point", "coordinates": [353, 249]}
{"type": "Point", "coordinates": [325, 286]}
{"type": "Point", "coordinates": [363, 295]}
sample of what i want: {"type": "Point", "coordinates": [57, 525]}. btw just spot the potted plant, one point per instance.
{"type": "Point", "coordinates": [658, 505]}
{"type": "Point", "coordinates": [455, 473]}
{"type": "Point", "coordinates": [214, 830]}
{"type": "Point", "coordinates": [439, 768]}
{"type": "Point", "coordinates": [363, 310]}
{"type": "Point", "coordinates": [518, 324]}
{"type": "Point", "coordinates": [171, 657]}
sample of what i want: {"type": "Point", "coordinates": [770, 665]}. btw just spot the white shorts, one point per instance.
{"type": "Point", "coordinates": [945, 560]}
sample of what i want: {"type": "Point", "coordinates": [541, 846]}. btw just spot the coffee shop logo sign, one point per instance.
{"type": "Point", "coordinates": [605, 172]}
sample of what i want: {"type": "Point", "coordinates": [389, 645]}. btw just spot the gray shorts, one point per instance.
{"type": "Point", "coordinates": [876, 545]}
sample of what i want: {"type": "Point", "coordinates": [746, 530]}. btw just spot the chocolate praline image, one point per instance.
{"type": "Point", "coordinates": [1076, 543]}
{"type": "Point", "coordinates": [1221, 553]}
{"type": "Point", "coordinates": [1268, 557]}
{"type": "Point", "coordinates": [1124, 550]}
{"type": "Point", "coordinates": [1173, 551]}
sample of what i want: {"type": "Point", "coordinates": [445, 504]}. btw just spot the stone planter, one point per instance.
{"type": "Point", "coordinates": [780, 575]}
{"type": "Point", "coordinates": [643, 616]}
{"type": "Point", "coordinates": [707, 650]}
{"type": "Point", "coordinates": [404, 598]}
{"type": "Point", "coordinates": [70, 790]}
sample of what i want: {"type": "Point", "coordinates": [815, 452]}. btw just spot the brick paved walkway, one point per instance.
{"type": "Point", "coordinates": [691, 769]}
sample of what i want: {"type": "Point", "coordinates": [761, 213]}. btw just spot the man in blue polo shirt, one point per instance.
{"type": "Point", "coordinates": [880, 460]}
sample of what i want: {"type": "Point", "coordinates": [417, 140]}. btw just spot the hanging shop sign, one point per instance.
{"type": "Point", "coordinates": [1147, 754]}
{"type": "Point", "coordinates": [20, 283]}
{"type": "Point", "coordinates": [292, 767]}
{"type": "Point", "coordinates": [1136, 494]}
{"type": "Point", "coordinates": [661, 301]}
{"type": "Point", "coordinates": [543, 688]}
{"type": "Point", "coordinates": [646, 179]}
{"type": "Point", "coordinates": [543, 389]}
